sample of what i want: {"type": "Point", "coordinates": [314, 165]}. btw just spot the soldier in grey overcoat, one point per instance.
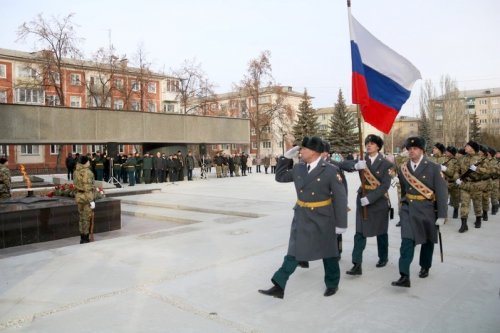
{"type": "Point", "coordinates": [376, 200]}
{"type": "Point", "coordinates": [424, 208]}
{"type": "Point", "coordinates": [319, 213]}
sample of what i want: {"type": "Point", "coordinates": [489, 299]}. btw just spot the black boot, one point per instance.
{"type": "Point", "coordinates": [82, 240]}
{"type": "Point", "coordinates": [275, 291]}
{"type": "Point", "coordinates": [485, 215]}
{"type": "Point", "coordinates": [304, 264]}
{"type": "Point", "coordinates": [494, 209]}
{"type": "Point", "coordinates": [464, 227]}
{"type": "Point", "coordinates": [86, 238]}
{"type": "Point", "coordinates": [355, 270]}
{"type": "Point", "coordinates": [404, 281]}
{"type": "Point", "coordinates": [477, 224]}
{"type": "Point", "coordinates": [455, 213]}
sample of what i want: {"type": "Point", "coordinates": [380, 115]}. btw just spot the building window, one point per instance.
{"type": "Point", "coordinates": [213, 107]}
{"type": "Point", "coordinates": [266, 129]}
{"type": "Point", "coordinates": [135, 105]}
{"type": "Point", "coordinates": [75, 79]}
{"type": "Point", "coordinates": [27, 72]}
{"type": "Point", "coordinates": [254, 145]}
{"type": "Point", "coordinates": [136, 86]}
{"type": "Point", "coordinates": [214, 147]}
{"type": "Point", "coordinates": [95, 148]}
{"type": "Point", "coordinates": [118, 104]}
{"type": "Point", "coordinates": [29, 96]}
{"type": "Point", "coordinates": [119, 84]}
{"type": "Point", "coordinates": [4, 149]}
{"type": "Point", "coordinates": [170, 108]}
{"type": "Point", "coordinates": [54, 149]}
{"type": "Point", "coordinates": [151, 106]}
{"type": "Point", "coordinates": [52, 100]}
{"type": "Point", "coordinates": [266, 144]}
{"type": "Point", "coordinates": [121, 148]}
{"type": "Point", "coordinates": [3, 71]}
{"type": "Point", "coordinates": [225, 146]}
{"type": "Point", "coordinates": [252, 131]}
{"type": "Point", "coordinates": [55, 77]}
{"type": "Point", "coordinates": [76, 149]}
{"type": "Point", "coordinates": [30, 150]}
{"type": "Point", "coordinates": [75, 101]}
{"type": "Point", "coordinates": [152, 87]}
{"type": "Point", "coordinates": [280, 144]}
{"type": "Point", "coordinates": [3, 96]}
{"type": "Point", "coordinates": [264, 99]}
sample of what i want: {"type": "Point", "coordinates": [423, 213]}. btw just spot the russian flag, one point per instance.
{"type": "Point", "coordinates": [381, 78]}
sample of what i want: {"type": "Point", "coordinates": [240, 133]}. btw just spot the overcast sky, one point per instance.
{"type": "Point", "coordinates": [308, 39]}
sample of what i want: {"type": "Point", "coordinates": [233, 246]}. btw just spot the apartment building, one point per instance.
{"type": "Point", "coordinates": [26, 78]}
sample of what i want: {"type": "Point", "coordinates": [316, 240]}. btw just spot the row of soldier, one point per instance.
{"type": "Point", "coordinates": [231, 164]}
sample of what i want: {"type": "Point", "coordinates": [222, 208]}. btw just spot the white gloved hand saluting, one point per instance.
{"type": "Point", "coordinates": [364, 201]}
{"type": "Point", "coordinates": [292, 153]}
{"type": "Point", "coordinates": [340, 231]}
{"type": "Point", "coordinates": [473, 167]}
{"type": "Point", "coordinates": [440, 221]}
{"type": "Point", "coordinates": [360, 165]}
{"type": "Point", "coordinates": [92, 205]}
{"type": "Point", "coordinates": [458, 182]}
{"type": "Point", "coordinates": [444, 168]}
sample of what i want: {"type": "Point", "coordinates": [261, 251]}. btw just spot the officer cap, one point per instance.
{"type": "Point", "coordinates": [313, 143]}
{"type": "Point", "coordinates": [415, 141]}
{"type": "Point", "coordinates": [441, 147]}
{"type": "Point", "coordinates": [375, 139]}
{"type": "Point", "coordinates": [474, 145]}
{"type": "Point", "coordinates": [452, 150]}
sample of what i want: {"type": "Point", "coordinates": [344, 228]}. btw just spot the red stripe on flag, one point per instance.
{"type": "Point", "coordinates": [379, 115]}
{"type": "Point", "coordinates": [359, 89]}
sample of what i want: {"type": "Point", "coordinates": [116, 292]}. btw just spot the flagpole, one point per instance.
{"type": "Point", "coordinates": [361, 157]}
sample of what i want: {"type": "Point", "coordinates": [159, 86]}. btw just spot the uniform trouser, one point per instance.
{"type": "Point", "coordinates": [172, 174]}
{"type": "Point", "coordinates": [158, 176]}
{"type": "Point", "coordinates": [218, 171]}
{"type": "Point", "coordinates": [190, 174]}
{"type": "Point", "coordinates": [494, 191]}
{"type": "Point", "coordinates": [331, 266]}
{"type": "Point", "coordinates": [99, 173]}
{"type": "Point", "coordinates": [180, 174]}
{"type": "Point", "coordinates": [70, 174]}
{"type": "Point", "coordinates": [471, 192]}
{"type": "Point", "coordinates": [225, 169]}
{"type": "Point", "coordinates": [486, 194]}
{"type": "Point", "coordinates": [257, 168]}
{"type": "Point", "coordinates": [85, 216]}
{"type": "Point", "coordinates": [147, 176]}
{"type": "Point", "coordinates": [138, 176]}
{"type": "Point", "coordinates": [237, 170]}
{"type": "Point", "coordinates": [117, 174]}
{"type": "Point", "coordinates": [407, 251]}
{"type": "Point", "coordinates": [244, 170]}
{"type": "Point", "coordinates": [360, 244]}
{"type": "Point", "coordinates": [131, 177]}
{"type": "Point", "coordinates": [454, 192]}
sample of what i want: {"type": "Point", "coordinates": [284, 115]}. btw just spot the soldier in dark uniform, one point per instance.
{"type": "Point", "coordinates": [117, 168]}
{"type": "Point", "coordinates": [70, 165]}
{"type": "Point", "coordinates": [130, 168]}
{"type": "Point", "coordinates": [190, 165]}
{"type": "Point", "coordinates": [99, 166]}
{"type": "Point", "coordinates": [424, 198]}
{"type": "Point", "coordinates": [230, 162]}
{"type": "Point", "coordinates": [243, 159]}
{"type": "Point", "coordinates": [158, 167]}
{"type": "Point", "coordinates": [107, 163]}
{"type": "Point", "coordinates": [180, 170]}
{"type": "Point", "coordinates": [123, 160]}
{"type": "Point", "coordinates": [147, 166]}
{"type": "Point", "coordinates": [138, 168]}
{"type": "Point", "coordinates": [375, 199]}
{"type": "Point", "coordinates": [319, 213]}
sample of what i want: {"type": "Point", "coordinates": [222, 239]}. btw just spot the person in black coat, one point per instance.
{"type": "Point", "coordinates": [70, 166]}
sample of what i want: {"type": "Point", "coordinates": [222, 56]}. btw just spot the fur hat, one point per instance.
{"type": "Point", "coordinates": [492, 151]}
{"type": "Point", "coordinates": [440, 146]}
{"type": "Point", "coordinates": [313, 143]}
{"type": "Point", "coordinates": [461, 151]}
{"type": "Point", "coordinates": [415, 141]}
{"type": "Point", "coordinates": [474, 145]}
{"type": "Point", "coordinates": [375, 139]}
{"type": "Point", "coordinates": [83, 159]}
{"type": "Point", "coordinates": [484, 149]}
{"type": "Point", "coordinates": [452, 150]}
{"type": "Point", "coordinates": [327, 146]}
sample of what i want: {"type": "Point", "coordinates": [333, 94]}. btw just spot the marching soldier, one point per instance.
{"type": "Point", "coordinates": [495, 173]}
{"type": "Point", "coordinates": [450, 169]}
{"type": "Point", "coordinates": [399, 160]}
{"type": "Point", "coordinates": [486, 180]}
{"type": "Point", "coordinates": [319, 213]}
{"type": "Point", "coordinates": [84, 196]}
{"type": "Point", "coordinates": [469, 182]}
{"type": "Point", "coordinates": [438, 153]}
{"type": "Point", "coordinates": [5, 180]}
{"type": "Point", "coordinates": [374, 197]}
{"type": "Point", "coordinates": [424, 196]}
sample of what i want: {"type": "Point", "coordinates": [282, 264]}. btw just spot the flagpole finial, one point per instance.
{"type": "Point", "coordinates": [349, 3]}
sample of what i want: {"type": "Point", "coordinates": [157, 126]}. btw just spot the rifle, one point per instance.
{"type": "Point", "coordinates": [469, 171]}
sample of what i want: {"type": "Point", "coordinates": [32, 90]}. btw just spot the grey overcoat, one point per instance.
{"type": "Point", "coordinates": [418, 217]}
{"type": "Point", "coordinates": [312, 234]}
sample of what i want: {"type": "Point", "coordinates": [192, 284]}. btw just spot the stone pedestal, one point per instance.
{"type": "Point", "coordinates": [41, 219]}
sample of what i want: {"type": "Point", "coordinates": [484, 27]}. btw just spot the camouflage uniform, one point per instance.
{"type": "Point", "coordinates": [4, 182]}
{"type": "Point", "coordinates": [471, 188]}
{"type": "Point", "coordinates": [495, 175]}
{"type": "Point", "coordinates": [486, 186]}
{"type": "Point", "coordinates": [99, 167]}
{"type": "Point", "coordinates": [84, 184]}
{"type": "Point", "coordinates": [451, 175]}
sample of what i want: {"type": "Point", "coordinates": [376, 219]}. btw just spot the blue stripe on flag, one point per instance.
{"type": "Point", "coordinates": [357, 64]}
{"type": "Point", "coordinates": [383, 89]}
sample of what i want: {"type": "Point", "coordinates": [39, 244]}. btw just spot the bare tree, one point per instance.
{"type": "Point", "coordinates": [258, 77]}
{"type": "Point", "coordinates": [454, 116]}
{"type": "Point", "coordinates": [427, 122]}
{"type": "Point", "coordinates": [55, 40]}
{"type": "Point", "coordinates": [195, 89]}
{"type": "Point", "coordinates": [100, 82]}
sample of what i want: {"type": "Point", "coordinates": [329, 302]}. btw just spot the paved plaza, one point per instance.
{"type": "Point", "coordinates": [191, 257]}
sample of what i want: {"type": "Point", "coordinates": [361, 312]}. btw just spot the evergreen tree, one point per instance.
{"type": "Point", "coordinates": [342, 135]}
{"type": "Point", "coordinates": [307, 121]}
{"type": "Point", "coordinates": [424, 128]}
{"type": "Point", "coordinates": [475, 129]}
